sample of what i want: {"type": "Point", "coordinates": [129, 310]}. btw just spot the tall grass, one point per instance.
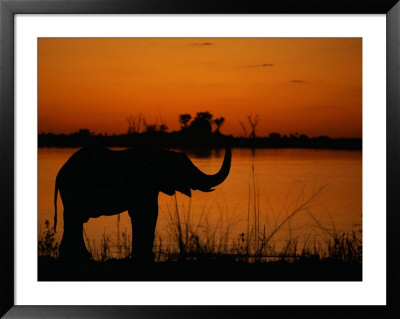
{"type": "Point", "coordinates": [47, 245]}
{"type": "Point", "coordinates": [191, 237]}
{"type": "Point", "coordinates": [110, 247]}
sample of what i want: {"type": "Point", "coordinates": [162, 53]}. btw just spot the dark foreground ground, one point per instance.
{"type": "Point", "coordinates": [122, 270]}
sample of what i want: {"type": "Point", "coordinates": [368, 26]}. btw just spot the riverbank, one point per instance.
{"type": "Point", "coordinates": [178, 140]}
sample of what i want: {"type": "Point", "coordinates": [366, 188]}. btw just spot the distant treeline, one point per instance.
{"type": "Point", "coordinates": [194, 134]}
{"type": "Point", "coordinates": [181, 140]}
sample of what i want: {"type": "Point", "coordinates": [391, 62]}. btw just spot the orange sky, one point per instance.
{"type": "Point", "coordinates": [310, 86]}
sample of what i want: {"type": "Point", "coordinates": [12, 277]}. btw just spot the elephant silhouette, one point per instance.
{"type": "Point", "coordinates": [96, 181]}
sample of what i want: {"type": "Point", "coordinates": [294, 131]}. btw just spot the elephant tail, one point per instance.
{"type": "Point", "coordinates": [55, 207]}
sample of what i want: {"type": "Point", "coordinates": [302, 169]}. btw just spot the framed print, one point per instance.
{"type": "Point", "coordinates": [197, 160]}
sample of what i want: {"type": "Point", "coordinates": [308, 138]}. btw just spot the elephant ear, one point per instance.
{"type": "Point", "coordinates": [174, 176]}
{"type": "Point", "coordinates": [185, 190]}
{"type": "Point", "coordinates": [168, 191]}
{"type": "Point", "coordinates": [171, 185]}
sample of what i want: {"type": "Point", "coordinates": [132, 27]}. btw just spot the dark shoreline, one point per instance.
{"type": "Point", "coordinates": [213, 141]}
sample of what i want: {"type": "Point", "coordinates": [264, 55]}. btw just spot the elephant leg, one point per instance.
{"type": "Point", "coordinates": [144, 220]}
{"type": "Point", "coordinates": [72, 245]}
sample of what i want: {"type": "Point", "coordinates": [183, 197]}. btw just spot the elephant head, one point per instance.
{"type": "Point", "coordinates": [183, 176]}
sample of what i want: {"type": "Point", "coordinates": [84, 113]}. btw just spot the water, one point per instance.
{"type": "Point", "coordinates": [263, 188]}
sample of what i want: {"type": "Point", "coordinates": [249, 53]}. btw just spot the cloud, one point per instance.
{"type": "Point", "coordinates": [298, 81]}
{"type": "Point", "coordinates": [205, 43]}
{"type": "Point", "coordinates": [260, 65]}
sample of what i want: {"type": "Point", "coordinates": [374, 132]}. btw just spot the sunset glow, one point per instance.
{"type": "Point", "coordinates": [311, 86]}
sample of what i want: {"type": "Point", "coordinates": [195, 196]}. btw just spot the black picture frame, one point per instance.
{"type": "Point", "coordinates": [8, 8]}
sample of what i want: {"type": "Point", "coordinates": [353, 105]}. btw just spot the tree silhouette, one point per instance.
{"type": "Point", "coordinates": [134, 123]}
{"type": "Point", "coordinates": [201, 125]}
{"type": "Point", "coordinates": [274, 136]}
{"type": "Point", "coordinates": [184, 120]}
{"type": "Point", "coordinates": [243, 128]}
{"type": "Point", "coordinates": [218, 122]}
{"type": "Point", "coordinates": [150, 128]}
{"type": "Point", "coordinates": [253, 121]}
{"type": "Point", "coordinates": [84, 132]}
{"type": "Point", "coordinates": [154, 128]}
{"type": "Point", "coordinates": [203, 116]}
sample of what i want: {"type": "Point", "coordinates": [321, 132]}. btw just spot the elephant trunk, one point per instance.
{"type": "Point", "coordinates": [205, 182]}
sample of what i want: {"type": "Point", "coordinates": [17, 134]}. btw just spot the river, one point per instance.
{"type": "Point", "coordinates": [264, 187]}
